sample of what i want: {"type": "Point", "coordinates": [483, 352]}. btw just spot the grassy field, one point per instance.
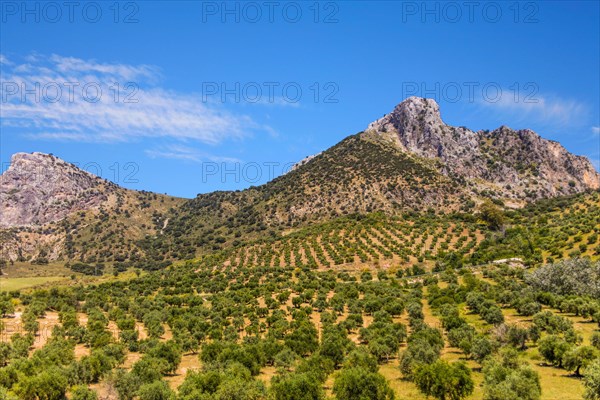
{"type": "Point", "coordinates": [29, 270]}
{"type": "Point", "coordinates": [10, 284]}
{"type": "Point", "coordinates": [24, 275]}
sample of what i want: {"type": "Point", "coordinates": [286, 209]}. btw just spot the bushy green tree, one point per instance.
{"type": "Point", "coordinates": [83, 393]}
{"type": "Point", "coordinates": [317, 366]}
{"type": "Point", "coordinates": [234, 382]}
{"type": "Point", "coordinates": [5, 353]}
{"type": "Point", "coordinates": [506, 379]}
{"type": "Point", "coordinates": [482, 348]}
{"type": "Point", "coordinates": [30, 322]}
{"type": "Point", "coordinates": [553, 349]}
{"type": "Point", "coordinates": [444, 381]}
{"type": "Point", "coordinates": [170, 352]}
{"type": "Point", "coordinates": [296, 387]}
{"type": "Point", "coordinates": [579, 357]}
{"type": "Point", "coordinates": [334, 343]}
{"type": "Point", "coordinates": [285, 359]}
{"type": "Point", "coordinates": [491, 214]}
{"type": "Point", "coordinates": [158, 390]}
{"type": "Point", "coordinates": [49, 384]}
{"type": "Point", "coordinates": [591, 381]}
{"type": "Point", "coordinates": [358, 383]}
{"type": "Point", "coordinates": [595, 340]}
{"type": "Point", "coordinates": [125, 383]}
{"type": "Point", "coordinates": [424, 347]}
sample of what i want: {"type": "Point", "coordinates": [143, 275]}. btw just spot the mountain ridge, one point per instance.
{"type": "Point", "coordinates": [407, 161]}
{"type": "Point", "coordinates": [416, 126]}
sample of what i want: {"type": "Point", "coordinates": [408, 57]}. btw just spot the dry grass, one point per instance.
{"type": "Point", "coordinates": [13, 284]}
{"type": "Point", "coordinates": [189, 362]}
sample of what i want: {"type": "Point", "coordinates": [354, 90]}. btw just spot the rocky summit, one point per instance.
{"type": "Point", "coordinates": [508, 163]}
{"type": "Point", "coordinates": [38, 188]}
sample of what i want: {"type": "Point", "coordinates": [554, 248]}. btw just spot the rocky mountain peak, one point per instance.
{"type": "Point", "coordinates": [36, 162]}
{"type": "Point", "coordinates": [512, 163]}
{"type": "Point", "coordinates": [412, 111]}
{"type": "Point", "coordinates": [38, 188]}
{"type": "Point", "coordinates": [416, 126]}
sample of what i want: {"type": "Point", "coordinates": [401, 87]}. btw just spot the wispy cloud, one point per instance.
{"type": "Point", "coordinates": [543, 110]}
{"type": "Point", "coordinates": [185, 153]}
{"type": "Point", "coordinates": [596, 130]}
{"type": "Point", "coordinates": [4, 60]}
{"type": "Point", "coordinates": [124, 71]}
{"type": "Point", "coordinates": [120, 103]}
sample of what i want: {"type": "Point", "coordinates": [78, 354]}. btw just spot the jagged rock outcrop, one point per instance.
{"type": "Point", "coordinates": [302, 162]}
{"type": "Point", "coordinates": [507, 163]}
{"type": "Point", "coordinates": [38, 188]}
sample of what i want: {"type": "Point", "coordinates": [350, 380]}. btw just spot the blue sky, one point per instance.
{"type": "Point", "coordinates": [190, 97]}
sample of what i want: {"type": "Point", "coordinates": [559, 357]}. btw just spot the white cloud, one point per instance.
{"type": "Point", "coordinates": [128, 72]}
{"type": "Point", "coordinates": [596, 130]}
{"type": "Point", "coordinates": [545, 110]}
{"type": "Point", "coordinates": [4, 60]}
{"type": "Point", "coordinates": [120, 114]}
{"type": "Point", "coordinates": [185, 153]}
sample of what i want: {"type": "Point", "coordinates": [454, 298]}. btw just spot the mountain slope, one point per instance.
{"type": "Point", "coordinates": [546, 231]}
{"type": "Point", "coordinates": [52, 210]}
{"type": "Point", "coordinates": [358, 175]}
{"type": "Point", "coordinates": [409, 161]}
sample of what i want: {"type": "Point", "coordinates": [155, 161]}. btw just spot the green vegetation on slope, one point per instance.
{"type": "Point", "coordinates": [269, 332]}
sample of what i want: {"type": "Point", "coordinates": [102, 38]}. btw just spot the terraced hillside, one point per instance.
{"type": "Point", "coordinates": [548, 230]}
{"type": "Point", "coordinates": [372, 239]}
